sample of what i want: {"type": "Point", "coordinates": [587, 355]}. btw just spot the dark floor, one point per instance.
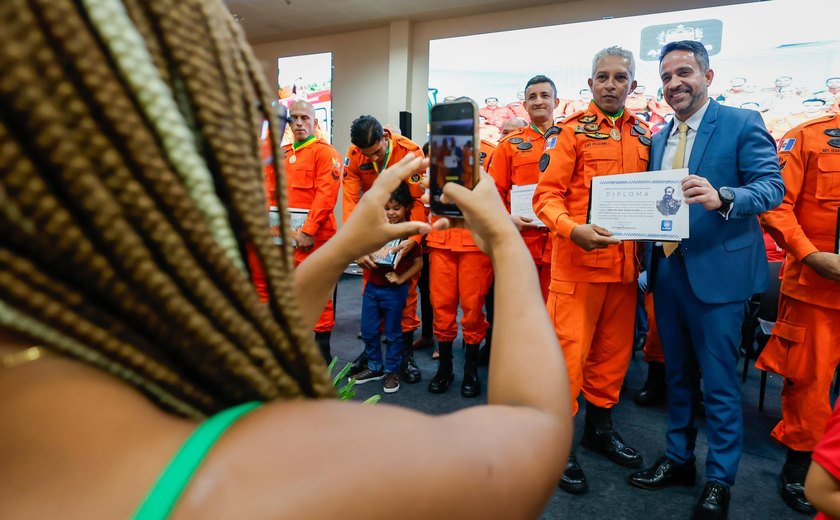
{"type": "Point", "coordinates": [755, 495]}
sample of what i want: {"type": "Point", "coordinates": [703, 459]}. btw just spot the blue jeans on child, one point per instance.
{"type": "Point", "coordinates": [384, 305]}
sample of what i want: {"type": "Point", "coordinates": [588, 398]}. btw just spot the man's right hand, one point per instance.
{"type": "Point", "coordinates": [366, 262]}
{"type": "Point", "coordinates": [825, 264]}
{"type": "Point", "coordinates": [523, 222]}
{"type": "Point", "coordinates": [590, 236]}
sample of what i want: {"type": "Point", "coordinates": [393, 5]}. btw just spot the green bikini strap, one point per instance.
{"type": "Point", "coordinates": [167, 490]}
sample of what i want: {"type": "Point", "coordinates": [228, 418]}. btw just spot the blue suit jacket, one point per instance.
{"type": "Point", "coordinates": [725, 259]}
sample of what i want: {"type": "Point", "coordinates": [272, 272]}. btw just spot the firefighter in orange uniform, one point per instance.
{"type": "Point", "coordinates": [494, 114]}
{"type": "Point", "coordinates": [372, 150]}
{"type": "Point", "coordinates": [313, 173]}
{"type": "Point", "coordinates": [592, 294]}
{"type": "Point", "coordinates": [459, 274]}
{"type": "Point", "coordinates": [516, 164]}
{"type": "Point", "coordinates": [804, 346]}
{"type": "Point", "coordinates": [518, 107]}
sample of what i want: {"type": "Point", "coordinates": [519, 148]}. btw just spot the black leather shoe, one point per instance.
{"type": "Point", "coordinates": [792, 481]}
{"type": "Point", "coordinates": [665, 473]}
{"type": "Point", "coordinates": [573, 480]}
{"type": "Point", "coordinates": [609, 443]}
{"type": "Point", "coordinates": [444, 375]}
{"type": "Point", "coordinates": [654, 390]}
{"type": "Point", "coordinates": [713, 503]}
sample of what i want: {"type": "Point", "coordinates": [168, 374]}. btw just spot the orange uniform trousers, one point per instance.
{"type": "Point", "coordinates": [594, 323]}
{"type": "Point", "coordinates": [459, 277]}
{"type": "Point", "coordinates": [804, 349]}
{"type": "Point", "coordinates": [653, 345]}
{"type": "Point", "coordinates": [326, 321]}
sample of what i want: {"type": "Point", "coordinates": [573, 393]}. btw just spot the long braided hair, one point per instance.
{"type": "Point", "coordinates": [130, 187]}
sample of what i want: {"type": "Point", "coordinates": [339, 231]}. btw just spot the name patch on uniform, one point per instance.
{"type": "Point", "coordinates": [787, 144]}
{"type": "Point", "coordinates": [550, 142]}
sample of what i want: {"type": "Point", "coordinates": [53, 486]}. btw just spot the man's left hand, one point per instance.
{"type": "Point", "coordinates": [698, 190]}
{"type": "Point", "coordinates": [304, 242]}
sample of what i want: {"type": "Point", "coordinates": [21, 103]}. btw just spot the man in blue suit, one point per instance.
{"type": "Point", "coordinates": [701, 284]}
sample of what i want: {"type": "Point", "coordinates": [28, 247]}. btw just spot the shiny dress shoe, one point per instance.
{"type": "Point", "coordinates": [665, 473]}
{"type": "Point", "coordinates": [573, 480]}
{"type": "Point", "coordinates": [609, 443]}
{"type": "Point", "coordinates": [713, 503]}
{"type": "Point", "coordinates": [792, 481]}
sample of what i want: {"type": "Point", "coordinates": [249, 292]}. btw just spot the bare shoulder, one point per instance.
{"type": "Point", "coordinates": [330, 459]}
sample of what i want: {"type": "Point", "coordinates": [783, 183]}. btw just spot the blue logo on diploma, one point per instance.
{"type": "Point", "coordinates": [667, 225]}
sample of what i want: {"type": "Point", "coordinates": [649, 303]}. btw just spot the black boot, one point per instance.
{"type": "Point", "coordinates": [600, 437]}
{"type": "Point", "coordinates": [792, 481]}
{"type": "Point", "coordinates": [323, 341]}
{"type": "Point", "coordinates": [573, 480]}
{"type": "Point", "coordinates": [359, 364]}
{"type": "Point", "coordinates": [471, 386]}
{"type": "Point", "coordinates": [654, 390]}
{"type": "Point", "coordinates": [484, 352]}
{"type": "Point", "coordinates": [444, 375]}
{"type": "Point", "coordinates": [408, 368]}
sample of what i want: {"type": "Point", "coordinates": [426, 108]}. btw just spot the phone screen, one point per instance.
{"type": "Point", "coordinates": [453, 154]}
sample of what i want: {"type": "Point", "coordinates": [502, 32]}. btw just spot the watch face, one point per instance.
{"type": "Point", "coordinates": [727, 194]}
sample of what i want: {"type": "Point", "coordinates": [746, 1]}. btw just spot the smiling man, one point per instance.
{"type": "Point", "coordinates": [592, 293]}
{"type": "Point", "coordinates": [734, 176]}
{"type": "Point", "coordinates": [516, 164]}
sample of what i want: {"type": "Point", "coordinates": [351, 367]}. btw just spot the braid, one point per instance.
{"type": "Point", "coordinates": [130, 266]}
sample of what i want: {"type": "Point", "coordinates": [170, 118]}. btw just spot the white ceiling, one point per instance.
{"type": "Point", "coordinates": [276, 20]}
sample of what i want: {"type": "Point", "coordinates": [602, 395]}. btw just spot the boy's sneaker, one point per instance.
{"type": "Point", "coordinates": [392, 383]}
{"type": "Point", "coordinates": [367, 375]}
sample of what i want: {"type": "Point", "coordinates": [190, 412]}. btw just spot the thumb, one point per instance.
{"type": "Point", "coordinates": [601, 231]}
{"type": "Point", "coordinates": [407, 229]}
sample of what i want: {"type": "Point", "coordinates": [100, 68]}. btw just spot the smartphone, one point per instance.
{"type": "Point", "coordinates": [453, 151]}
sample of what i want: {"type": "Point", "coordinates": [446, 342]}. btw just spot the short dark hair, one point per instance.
{"type": "Point", "coordinates": [539, 78]}
{"type": "Point", "coordinates": [366, 131]}
{"type": "Point", "coordinates": [402, 195]}
{"type": "Point", "coordinates": [699, 50]}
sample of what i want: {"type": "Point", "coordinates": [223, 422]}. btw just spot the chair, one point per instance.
{"type": "Point", "coordinates": [761, 323]}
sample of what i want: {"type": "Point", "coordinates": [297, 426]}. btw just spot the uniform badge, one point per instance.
{"type": "Point", "coordinates": [336, 163]}
{"type": "Point", "coordinates": [639, 129]}
{"type": "Point", "coordinates": [415, 178]}
{"type": "Point", "coordinates": [597, 135]}
{"type": "Point", "coordinates": [544, 160]}
{"type": "Point", "coordinates": [832, 132]}
{"type": "Point", "coordinates": [554, 130]}
{"type": "Point", "coordinates": [644, 140]}
{"type": "Point", "coordinates": [834, 142]}
{"type": "Point", "coordinates": [782, 164]}
{"type": "Point", "coordinates": [482, 155]}
{"type": "Point", "coordinates": [588, 119]}
{"type": "Point", "coordinates": [523, 146]}
{"type": "Point", "coordinates": [366, 166]}
{"type": "Point", "coordinates": [615, 134]}
{"type": "Point", "coordinates": [346, 161]}
{"type": "Point", "coordinates": [515, 140]}
{"type": "Point", "coordinates": [592, 127]}
{"type": "Point", "coordinates": [579, 130]}
{"type": "Point", "coordinates": [292, 159]}
{"type": "Point", "coordinates": [550, 142]}
{"type": "Point", "coordinates": [787, 144]}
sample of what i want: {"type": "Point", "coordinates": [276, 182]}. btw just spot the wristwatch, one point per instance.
{"type": "Point", "coordinates": [727, 197]}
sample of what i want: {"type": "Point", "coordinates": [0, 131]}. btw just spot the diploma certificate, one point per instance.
{"type": "Point", "coordinates": [521, 204]}
{"type": "Point", "coordinates": [640, 206]}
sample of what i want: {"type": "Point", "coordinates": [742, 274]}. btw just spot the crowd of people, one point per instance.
{"type": "Point", "coordinates": [143, 291]}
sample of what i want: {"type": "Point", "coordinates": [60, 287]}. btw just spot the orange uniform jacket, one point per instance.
{"type": "Point", "coordinates": [517, 163]}
{"type": "Point", "coordinates": [518, 110]}
{"type": "Point", "coordinates": [583, 150]}
{"type": "Point", "coordinates": [312, 182]}
{"type": "Point", "coordinates": [806, 220]}
{"type": "Point", "coordinates": [359, 174]}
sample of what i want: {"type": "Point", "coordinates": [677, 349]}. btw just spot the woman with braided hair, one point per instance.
{"type": "Point", "coordinates": [139, 372]}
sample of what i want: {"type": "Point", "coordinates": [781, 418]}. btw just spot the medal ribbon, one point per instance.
{"type": "Point", "coordinates": [300, 145]}
{"type": "Point", "coordinates": [387, 157]}
{"type": "Point", "coordinates": [534, 127]}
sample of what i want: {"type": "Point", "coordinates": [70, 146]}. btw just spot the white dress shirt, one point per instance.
{"type": "Point", "coordinates": [693, 123]}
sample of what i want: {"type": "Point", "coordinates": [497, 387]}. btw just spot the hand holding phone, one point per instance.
{"type": "Point", "coordinates": [453, 151]}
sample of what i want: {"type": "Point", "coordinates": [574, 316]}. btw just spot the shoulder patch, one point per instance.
{"type": "Point", "coordinates": [550, 143]}
{"type": "Point", "coordinates": [787, 144]}
{"type": "Point", "coordinates": [544, 160]}
{"type": "Point", "coordinates": [554, 130]}
{"type": "Point", "coordinates": [347, 161]}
